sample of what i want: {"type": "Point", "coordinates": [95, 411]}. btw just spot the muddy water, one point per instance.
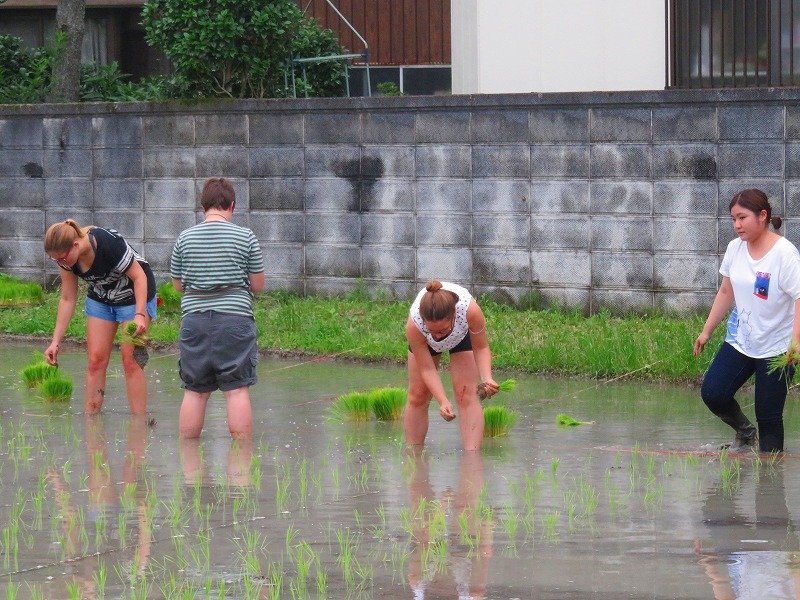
{"type": "Point", "coordinates": [117, 507]}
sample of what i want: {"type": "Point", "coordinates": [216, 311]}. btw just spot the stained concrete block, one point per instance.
{"type": "Point", "coordinates": [169, 130]}
{"type": "Point", "coordinates": [562, 162]}
{"type": "Point", "coordinates": [117, 163]}
{"type": "Point", "coordinates": [277, 194]}
{"type": "Point", "coordinates": [684, 302]}
{"type": "Point", "coordinates": [504, 266]}
{"type": "Point", "coordinates": [444, 230]}
{"type": "Point", "coordinates": [751, 160]}
{"type": "Point", "coordinates": [68, 162]}
{"type": "Point", "coordinates": [622, 270]}
{"type": "Point", "coordinates": [333, 161]}
{"type": "Point", "coordinates": [221, 129]}
{"type": "Point", "coordinates": [500, 126]}
{"type": "Point", "coordinates": [685, 234]}
{"type": "Point", "coordinates": [332, 195]}
{"type": "Point", "coordinates": [168, 162]}
{"type": "Point", "coordinates": [22, 192]}
{"type": "Point", "coordinates": [390, 127]}
{"type": "Point", "coordinates": [333, 228]}
{"type": "Point", "coordinates": [443, 161]}
{"type": "Point", "coordinates": [388, 263]}
{"type": "Point", "coordinates": [119, 193]}
{"type": "Point", "coordinates": [622, 233]}
{"type": "Point", "coordinates": [130, 224]}
{"type": "Point", "coordinates": [560, 196]}
{"type": "Point", "coordinates": [67, 132]}
{"type": "Point", "coordinates": [728, 188]}
{"type": "Point", "coordinates": [166, 225]}
{"type": "Point", "coordinates": [157, 255]}
{"type": "Point", "coordinates": [276, 128]}
{"type": "Point", "coordinates": [559, 125]}
{"type": "Point", "coordinates": [443, 196]}
{"type": "Point", "coordinates": [621, 160]}
{"type": "Point", "coordinates": [69, 193]}
{"type": "Point", "coordinates": [170, 193]}
{"type": "Point", "coordinates": [684, 123]}
{"type": "Point", "coordinates": [792, 160]}
{"type": "Point", "coordinates": [276, 161]}
{"type": "Point", "coordinates": [117, 131]}
{"type": "Point", "coordinates": [21, 132]}
{"type": "Point", "coordinates": [621, 302]}
{"type": "Point", "coordinates": [561, 269]}
{"type": "Point", "coordinates": [332, 261]}
{"type": "Point", "coordinates": [635, 197]}
{"type": "Point", "coordinates": [278, 227]}
{"type": "Point", "coordinates": [21, 254]}
{"type": "Point", "coordinates": [685, 161]}
{"type": "Point", "coordinates": [501, 196]}
{"type": "Point", "coordinates": [221, 161]}
{"type": "Point", "coordinates": [452, 127]}
{"type": "Point", "coordinates": [688, 273]}
{"type": "Point", "coordinates": [751, 122]}
{"type": "Point", "coordinates": [565, 232]}
{"type": "Point", "coordinates": [685, 197]}
{"type": "Point", "coordinates": [388, 229]}
{"type": "Point", "coordinates": [501, 161]}
{"type": "Point", "coordinates": [22, 223]}
{"type": "Point", "coordinates": [332, 127]}
{"type": "Point", "coordinates": [22, 162]}
{"type": "Point", "coordinates": [613, 124]}
{"type": "Point", "coordinates": [444, 264]}
{"type": "Point", "coordinates": [512, 231]}
{"type": "Point", "coordinates": [284, 259]}
{"type": "Point", "coordinates": [389, 196]}
{"type": "Point", "coordinates": [379, 162]}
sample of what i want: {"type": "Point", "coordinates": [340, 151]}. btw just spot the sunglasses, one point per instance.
{"type": "Point", "coordinates": [60, 259]}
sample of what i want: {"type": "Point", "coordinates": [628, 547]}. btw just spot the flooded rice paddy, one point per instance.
{"type": "Point", "coordinates": [120, 507]}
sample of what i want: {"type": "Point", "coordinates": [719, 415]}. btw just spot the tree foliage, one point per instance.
{"type": "Point", "coordinates": [243, 48]}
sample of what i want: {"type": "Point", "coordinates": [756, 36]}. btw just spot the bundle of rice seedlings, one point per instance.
{"type": "Point", "coordinates": [126, 335]}
{"type": "Point", "coordinates": [780, 362]}
{"type": "Point", "coordinates": [33, 375]}
{"type": "Point", "coordinates": [567, 421]}
{"type": "Point", "coordinates": [498, 421]}
{"type": "Point", "coordinates": [504, 386]}
{"type": "Point", "coordinates": [388, 403]}
{"type": "Point", "coordinates": [16, 292]}
{"type": "Point", "coordinates": [355, 406]}
{"type": "Point", "coordinates": [57, 389]}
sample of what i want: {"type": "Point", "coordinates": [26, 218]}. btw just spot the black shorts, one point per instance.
{"type": "Point", "coordinates": [464, 345]}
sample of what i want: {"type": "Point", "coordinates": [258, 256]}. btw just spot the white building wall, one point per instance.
{"type": "Point", "coordinates": [502, 46]}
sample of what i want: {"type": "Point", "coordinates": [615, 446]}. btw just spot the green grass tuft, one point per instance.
{"type": "Point", "coordinates": [388, 403]}
{"type": "Point", "coordinates": [567, 421]}
{"type": "Point", "coordinates": [33, 375]}
{"type": "Point", "coordinates": [355, 406]}
{"type": "Point", "coordinates": [57, 389]}
{"type": "Point", "coordinates": [498, 421]}
{"type": "Point", "coordinates": [17, 292]}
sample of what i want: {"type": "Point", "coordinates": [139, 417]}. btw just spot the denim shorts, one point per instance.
{"type": "Point", "coordinates": [116, 314]}
{"type": "Point", "coordinates": [218, 352]}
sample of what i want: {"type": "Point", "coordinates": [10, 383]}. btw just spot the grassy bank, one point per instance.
{"type": "Point", "coordinates": [544, 341]}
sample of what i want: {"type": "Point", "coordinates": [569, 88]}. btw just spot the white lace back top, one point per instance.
{"type": "Point", "coordinates": [460, 327]}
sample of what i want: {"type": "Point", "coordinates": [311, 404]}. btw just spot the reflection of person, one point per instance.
{"type": "Point", "coordinates": [733, 570]}
{"type": "Point", "coordinates": [466, 571]}
{"type": "Point", "coordinates": [761, 274]}
{"type": "Point", "coordinates": [444, 316]}
{"type": "Point", "coordinates": [121, 288]}
{"type": "Point", "coordinates": [218, 266]}
{"type": "Point", "coordinates": [240, 455]}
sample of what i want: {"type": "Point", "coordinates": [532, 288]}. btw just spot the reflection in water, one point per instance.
{"type": "Point", "coordinates": [452, 540]}
{"type": "Point", "coordinates": [756, 553]}
{"type": "Point", "coordinates": [196, 469]}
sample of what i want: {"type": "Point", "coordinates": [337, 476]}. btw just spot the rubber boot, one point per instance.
{"type": "Point", "coordinates": [746, 432]}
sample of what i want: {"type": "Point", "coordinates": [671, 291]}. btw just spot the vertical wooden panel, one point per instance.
{"type": "Point", "coordinates": [409, 54]}
{"type": "Point", "coordinates": [383, 48]}
{"type": "Point", "coordinates": [423, 36]}
{"type": "Point", "coordinates": [435, 32]}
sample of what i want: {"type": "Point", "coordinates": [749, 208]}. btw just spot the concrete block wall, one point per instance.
{"type": "Point", "coordinates": [615, 200]}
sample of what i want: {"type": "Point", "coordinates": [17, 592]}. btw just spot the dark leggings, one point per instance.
{"type": "Point", "coordinates": [728, 372]}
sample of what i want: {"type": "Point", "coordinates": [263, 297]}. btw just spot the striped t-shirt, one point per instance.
{"type": "Point", "coordinates": [213, 261]}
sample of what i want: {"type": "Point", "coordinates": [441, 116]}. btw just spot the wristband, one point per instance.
{"type": "Point", "coordinates": [139, 315]}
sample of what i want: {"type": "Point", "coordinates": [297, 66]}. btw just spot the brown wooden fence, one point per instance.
{"type": "Point", "coordinates": [398, 32]}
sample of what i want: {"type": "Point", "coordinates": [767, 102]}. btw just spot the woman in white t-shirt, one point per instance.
{"type": "Point", "coordinates": [444, 316]}
{"type": "Point", "coordinates": [761, 274]}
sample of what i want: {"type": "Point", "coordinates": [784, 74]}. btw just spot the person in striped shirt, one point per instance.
{"type": "Point", "coordinates": [218, 266]}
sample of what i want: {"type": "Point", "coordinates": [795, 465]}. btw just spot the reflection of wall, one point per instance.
{"type": "Point", "coordinates": [615, 200]}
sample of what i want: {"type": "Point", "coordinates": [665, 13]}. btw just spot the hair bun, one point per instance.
{"type": "Point", "coordinates": [434, 285]}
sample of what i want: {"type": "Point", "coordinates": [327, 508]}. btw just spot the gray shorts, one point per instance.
{"type": "Point", "coordinates": [218, 352]}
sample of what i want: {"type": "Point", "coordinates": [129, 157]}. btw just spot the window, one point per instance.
{"type": "Point", "coordinates": [734, 43]}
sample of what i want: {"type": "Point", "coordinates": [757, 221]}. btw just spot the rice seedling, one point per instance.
{"type": "Point", "coordinates": [18, 292]}
{"type": "Point", "coordinates": [33, 375]}
{"type": "Point", "coordinates": [566, 421]}
{"type": "Point", "coordinates": [498, 421]}
{"type": "Point", "coordinates": [504, 386]}
{"type": "Point", "coordinates": [126, 335]}
{"type": "Point", "coordinates": [549, 523]}
{"type": "Point", "coordinates": [388, 403]}
{"type": "Point", "coordinates": [355, 406]}
{"type": "Point", "coordinates": [510, 522]}
{"type": "Point", "coordinates": [56, 389]}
